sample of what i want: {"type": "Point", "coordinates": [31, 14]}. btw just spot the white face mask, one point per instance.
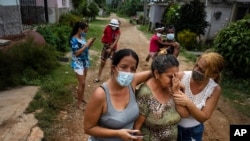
{"type": "Point", "coordinates": [124, 78]}
{"type": "Point", "coordinates": [170, 36]}
{"type": "Point", "coordinates": [158, 34]}
{"type": "Point", "coordinates": [114, 28]}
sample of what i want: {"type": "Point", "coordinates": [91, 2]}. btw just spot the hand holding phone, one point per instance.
{"type": "Point", "coordinates": [138, 134]}
{"type": "Point", "coordinates": [92, 40]}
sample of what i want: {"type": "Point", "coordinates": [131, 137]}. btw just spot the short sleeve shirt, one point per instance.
{"type": "Point", "coordinates": [109, 35]}
{"type": "Point", "coordinates": [81, 61]}
{"type": "Point", "coordinates": [154, 45]}
{"type": "Point", "coordinates": [161, 119]}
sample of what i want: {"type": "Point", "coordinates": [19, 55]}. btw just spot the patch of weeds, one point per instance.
{"type": "Point", "coordinates": [96, 29]}
{"type": "Point", "coordinates": [238, 92]}
{"type": "Point", "coordinates": [54, 95]}
{"type": "Point", "coordinates": [189, 56]}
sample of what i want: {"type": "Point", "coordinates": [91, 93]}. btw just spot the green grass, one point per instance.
{"type": "Point", "coordinates": [96, 29]}
{"type": "Point", "coordinates": [144, 29]}
{"type": "Point", "coordinates": [55, 93]}
{"type": "Point", "coordinates": [238, 92]}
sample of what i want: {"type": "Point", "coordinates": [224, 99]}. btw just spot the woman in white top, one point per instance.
{"type": "Point", "coordinates": [202, 92]}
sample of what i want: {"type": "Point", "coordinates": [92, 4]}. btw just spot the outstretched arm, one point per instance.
{"type": "Point", "coordinates": [176, 49]}
{"type": "Point", "coordinates": [141, 77]}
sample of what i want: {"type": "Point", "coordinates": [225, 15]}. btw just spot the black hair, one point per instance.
{"type": "Point", "coordinates": [162, 63]}
{"type": "Point", "coordinates": [159, 25]}
{"type": "Point", "coordinates": [170, 27]}
{"type": "Point", "coordinates": [76, 26]}
{"type": "Point", "coordinates": [123, 53]}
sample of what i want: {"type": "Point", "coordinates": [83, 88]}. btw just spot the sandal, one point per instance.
{"type": "Point", "coordinates": [81, 107]}
{"type": "Point", "coordinates": [84, 102]}
{"type": "Point", "coordinates": [96, 80]}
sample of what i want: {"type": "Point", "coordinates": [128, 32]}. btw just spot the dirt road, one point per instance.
{"type": "Point", "coordinates": [70, 127]}
{"type": "Point", "coordinates": [216, 129]}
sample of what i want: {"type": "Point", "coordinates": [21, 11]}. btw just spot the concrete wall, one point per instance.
{"type": "Point", "coordinates": [57, 8]}
{"type": "Point", "coordinates": [10, 15]}
{"type": "Point", "coordinates": [54, 13]}
{"type": "Point", "coordinates": [217, 24]}
{"type": "Point", "coordinates": [10, 20]}
{"type": "Point", "coordinates": [155, 14]}
{"type": "Point", "coordinates": [9, 2]}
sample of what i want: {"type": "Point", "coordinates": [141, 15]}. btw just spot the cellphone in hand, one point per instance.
{"type": "Point", "coordinates": [93, 39]}
{"type": "Point", "coordinates": [139, 136]}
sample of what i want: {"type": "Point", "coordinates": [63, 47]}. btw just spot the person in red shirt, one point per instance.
{"type": "Point", "coordinates": [110, 39]}
{"type": "Point", "coordinates": [155, 43]}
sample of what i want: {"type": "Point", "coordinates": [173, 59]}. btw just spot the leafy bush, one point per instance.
{"type": "Point", "coordinates": [129, 8]}
{"type": "Point", "coordinates": [190, 16]}
{"type": "Point", "coordinates": [233, 43]}
{"type": "Point", "coordinates": [88, 10]}
{"type": "Point", "coordinates": [187, 39]}
{"type": "Point", "coordinates": [94, 10]}
{"type": "Point", "coordinates": [56, 35]}
{"type": "Point", "coordinates": [172, 14]}
{"type": "Point", "coordinates": [69, 19]}
{"type": "Point", "coordinates": [25, 61]}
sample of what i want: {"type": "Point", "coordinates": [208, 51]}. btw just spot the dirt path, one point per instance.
{"type": "Point", "coordinates": [216, 128]}
{"type": "Point", "coordinates": [71, 129]}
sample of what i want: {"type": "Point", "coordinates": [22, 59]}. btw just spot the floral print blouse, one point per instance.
{"type": "Point", "coordinates": [161, 119]}
{"type": "Point", "coordinates": [81, 61]}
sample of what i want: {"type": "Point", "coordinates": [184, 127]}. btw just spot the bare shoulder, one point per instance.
{"type": "Point", "coordinates": [217, 90]}
{"type": "Point", "coordinates": [99, 94]}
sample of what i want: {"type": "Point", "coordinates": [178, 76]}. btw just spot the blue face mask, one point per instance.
{"type": "Point", "coordinates": [124, 78]}
{"type": "Point", "coordinates": [83, 34]}
{"type": "Point", "coordinates": [170, 36]}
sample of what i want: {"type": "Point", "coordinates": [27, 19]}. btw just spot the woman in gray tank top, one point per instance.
{"type": "Point", "coordinates": [112, 109]}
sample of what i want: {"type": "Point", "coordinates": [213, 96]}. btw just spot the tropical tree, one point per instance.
{"type": "Point", "coordinates": [77, 3]}
{"type": "Point", "coordinates": [191, 16]}
{"type": "Point", "coordinates": [130, 7]}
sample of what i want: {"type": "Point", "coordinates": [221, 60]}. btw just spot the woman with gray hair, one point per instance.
{"type": "Point", "coordinates": [159, 114]}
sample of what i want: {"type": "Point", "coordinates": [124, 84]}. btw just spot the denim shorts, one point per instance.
{"type": "Point", "coordinates": [190, 134]}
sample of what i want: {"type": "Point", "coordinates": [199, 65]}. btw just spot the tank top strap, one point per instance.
{"type": "Point", "coordinates": [131, 90]}
{"type": "Point", "coordinates": [108, 100]}
{"type": "Point", "coordinates": [106, 90]}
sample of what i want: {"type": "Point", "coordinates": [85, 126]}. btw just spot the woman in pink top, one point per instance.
{"type": "Point", "coordinates": [155, 41]}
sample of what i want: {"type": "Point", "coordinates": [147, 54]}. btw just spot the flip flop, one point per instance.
{"type": "Point", "coordinates": [81, 107]}
{"type": "Point", "coordinates": [84, 102]}
{"type": "Point", "coordinates": [96, 80]}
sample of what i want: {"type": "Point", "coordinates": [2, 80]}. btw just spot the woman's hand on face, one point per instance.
{"type": "Point", "coordinates": [176, 85]}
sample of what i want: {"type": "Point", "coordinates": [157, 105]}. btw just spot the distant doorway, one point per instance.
{"type": "Point", "coordinates": [32, 13]}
